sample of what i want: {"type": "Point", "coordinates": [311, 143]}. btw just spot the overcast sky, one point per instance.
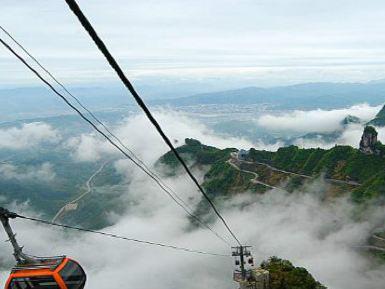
{"type": "Point", "coordinates": [266, 42]}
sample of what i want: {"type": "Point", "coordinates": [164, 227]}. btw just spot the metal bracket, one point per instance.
{"type": "Point", "coordinates": [20, 257]}
{"type": "Point", "coordinates": [4, 213]}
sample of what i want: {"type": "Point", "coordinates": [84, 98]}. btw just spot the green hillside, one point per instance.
{"type": "Point", "coordinates": [379, 120]}
{"type": "Point", "coordinates": [283, 274]}
{"type": "Point", "coordinates": [196, 152]}
{"type": "Point", "coordinates": [340, 162]}
{"type": "Point", "coordinates": [344, 163]}
{"type": "Point", "coordinates": [221, 179]}
{"type": "Point", "coordinates": [48, 196]}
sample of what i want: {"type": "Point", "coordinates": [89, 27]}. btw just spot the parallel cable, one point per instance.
{"type": "Point", "coordinates": [115, 236]}
{"type": "Point", "coordinates": [158, 181]}
{"type": "Point", "coordinates": [89, 112]}
{"type": "Point", "coordinates": [111, 60]}
{"type": "Point", "coordinates": [69, 93]}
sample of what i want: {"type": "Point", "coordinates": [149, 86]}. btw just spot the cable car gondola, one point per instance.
{"type": "Point", "coordinates": [39, 272]}
{"type": "Point", "coordinates": [47, 273]}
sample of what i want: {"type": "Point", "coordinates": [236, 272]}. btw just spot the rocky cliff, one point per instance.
{"type": "Point", "coordinates": [369, 140]}
{"type": "Point", "coordinates": [369, 143]}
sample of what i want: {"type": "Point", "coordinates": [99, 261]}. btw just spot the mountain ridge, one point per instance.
{"type": "Point", "coordinates": [299, 96]}
{"type": "Point", "coordinates": [379, 120]}
{"type": "Point", "coordinates": [343, 165]}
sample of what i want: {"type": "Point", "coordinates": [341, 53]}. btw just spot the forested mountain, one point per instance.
{"type": "Point", "coordinates": [344, 166]}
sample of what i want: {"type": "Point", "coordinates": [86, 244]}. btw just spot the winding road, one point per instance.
{"type": "Point", "coordinates": [378, 238]}
{"type": "Point", "coordinates": [235, 156]}
{"type": "Point", "coordinates": [255, 180]}
{"type": "Point", "coordinates": [377, 243]}
{"type": "Point", "coordinates": [73, 205]}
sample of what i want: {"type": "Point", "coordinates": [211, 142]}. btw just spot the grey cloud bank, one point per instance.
{"type": "Point", "coordinates": [271, 42]}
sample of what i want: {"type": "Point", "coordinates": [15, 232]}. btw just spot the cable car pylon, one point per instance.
{"type": "Point", "coordinates": [245, 273]}
{"type": "Point", "coordinates": [32, 272]}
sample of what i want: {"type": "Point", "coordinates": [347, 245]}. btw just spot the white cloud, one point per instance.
{"type": "Point", "coordinates": [381, 134]}
{"type": "Point", "coordinates": [316, 142]}
{"type": "Point", "coordinates": [89, 147]}
{"type": "Point", "coordinates": [298, 226]}
{"type": "Point", "coordinates": [28, 135]}
{"type": "Point", "coordinates": [138, 134]}
{"type": "Point", "coordinates": [318, 236]}
{"type": "Point", "coordinates": [351, 136]}
{"type": "Point", "coordinates": [43, 172]}
{"type": "Point", "coordinates": [316, 120]}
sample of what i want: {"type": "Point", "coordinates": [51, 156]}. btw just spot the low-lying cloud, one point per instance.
{"type": "Point", "coordinates": [140, 136]}
{"type": "Point", "coordinates": [322, 128]}
{"type": "Point", "coordinates": [319, 236]}
{"type": "Point", "coordinates": [319, 120]}
{"type": "Point", "coordinates": [298, 226]}
{"type": "Point", "coordinates": [28, 135]}
{"type": "Point", "coordinates": [89, 147]}
{"type": "Point", "coordinates": [44, 172]}
{"type": "Point", "coordinates": [351, 135]}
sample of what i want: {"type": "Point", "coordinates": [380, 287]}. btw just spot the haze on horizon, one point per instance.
{"type": "Point", "coordinates": [249, 42]}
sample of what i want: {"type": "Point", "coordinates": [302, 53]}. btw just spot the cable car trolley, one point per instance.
{"type": "Point", "coordinates": [32, 272]}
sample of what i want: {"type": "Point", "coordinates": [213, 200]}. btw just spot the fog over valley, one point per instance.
{"type": "Point", "coordinates": [192, 144]}
{"type": "Point", "coordinates": [322, 236]}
